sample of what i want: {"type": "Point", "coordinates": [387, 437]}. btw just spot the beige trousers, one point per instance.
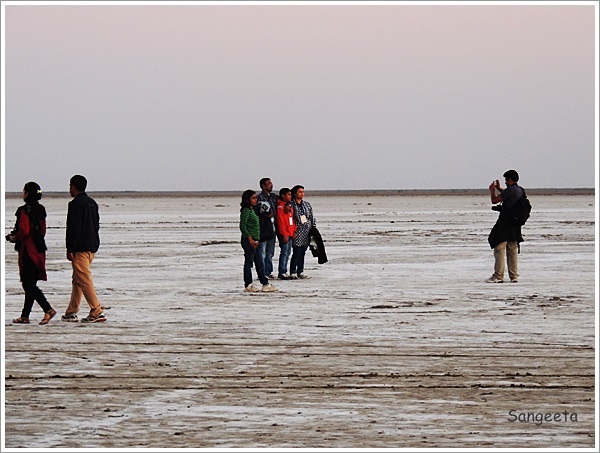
{"type": "Point", "coordinates": [83, 285]}
{"type": "Point", "coordinates": [508, 251]}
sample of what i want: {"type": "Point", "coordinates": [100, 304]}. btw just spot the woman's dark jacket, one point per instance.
{"type": "Point", "coordinates": [317, 247]}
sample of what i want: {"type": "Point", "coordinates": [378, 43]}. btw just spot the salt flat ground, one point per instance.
{"type": "Point", "coordinates": [396, 342]}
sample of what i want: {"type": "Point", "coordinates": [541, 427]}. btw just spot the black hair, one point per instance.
{"type": "Point", "coordinates": [246, 199]}
{"type": "Point", "coordinates": [511, 174]}
{"type": "Point", "coordinates": [295, 189]}
{"type": "Point", "coordinates": [79, 182]}
{"type": "Point", "coordinates": [283, 191]}
{"type": "Point", "coordinates": [263, 181]}
{"type": "Point", "coordinates": [34, 192]}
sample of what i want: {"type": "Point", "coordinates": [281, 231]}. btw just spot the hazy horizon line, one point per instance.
{"type": "Point", "coordinates": [322, 192]}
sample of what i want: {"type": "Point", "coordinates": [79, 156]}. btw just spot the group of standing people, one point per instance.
{"type": "Point", "coordinates": [82, 243]}
{"type": "Point", "coordinates": [265, 218]}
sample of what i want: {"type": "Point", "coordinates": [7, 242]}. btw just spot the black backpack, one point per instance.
{"type": "Point", "coordinates": [518, 214]}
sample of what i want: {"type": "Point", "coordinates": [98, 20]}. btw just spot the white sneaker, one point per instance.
{"type": "Point", "coordinates": [268, 288]}
{"type": "Point", "coordinates": [303, 276]}
{"type": "Point", "coordinates": [293, 277]}
{"type": "Point", "coordinates": [252, 289]}
{"type": "Point", "coordinates": [493, 279]}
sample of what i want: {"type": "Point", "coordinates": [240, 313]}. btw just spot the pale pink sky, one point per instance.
{"type": "Point", "coordinates": [200, 97]}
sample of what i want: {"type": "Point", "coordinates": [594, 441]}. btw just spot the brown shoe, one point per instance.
{"type": "Point", "coordinates": [48, 316]}
{"type": "Point", "coordinates": [21, 320]}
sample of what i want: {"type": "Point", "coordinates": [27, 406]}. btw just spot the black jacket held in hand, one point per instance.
{"type": "Point", "coordinates": [317, 247]}
{"type": "Point", "coordinates": [83, 224]}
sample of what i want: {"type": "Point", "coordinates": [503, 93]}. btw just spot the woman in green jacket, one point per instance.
{"type": "Point", "coordinates": [250, 228]}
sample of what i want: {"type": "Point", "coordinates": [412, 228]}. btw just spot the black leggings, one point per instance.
{"type": "Point", "coordinates": [29, 278]}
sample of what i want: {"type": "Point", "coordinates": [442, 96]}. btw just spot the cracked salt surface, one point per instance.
{"type": "Point", "coordinates": [396, 342]}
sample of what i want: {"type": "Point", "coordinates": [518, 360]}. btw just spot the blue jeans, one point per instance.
{"type": "Point", "coordinates": [285, 250]}
{"type": "Point", "coordinates": [266, 252]}
{"type": "Point", "coordinates": [297, 264]}
{"type": "Point", "coordinates": [251, 257]}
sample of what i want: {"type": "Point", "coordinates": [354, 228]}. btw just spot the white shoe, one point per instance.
{"type": "Point", "coordinates": [514, 280]}
{"type": "Point", "coordinates": [268, 288]}
{"type": "Point", "coordinates": [252, 289]}
{"type": "Point", "coordinates": [293, 277]}
{"type": "Point", "coordinates": [303, 276]}
{"type": "Point", "coordinates": [493, 279]}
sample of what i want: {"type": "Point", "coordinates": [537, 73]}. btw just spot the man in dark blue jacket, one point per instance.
{"type": "Point", "coordinates": [83, 241]}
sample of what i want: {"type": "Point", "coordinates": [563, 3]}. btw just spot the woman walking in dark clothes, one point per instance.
{"type": "Point", "coordinates": [28, 237]}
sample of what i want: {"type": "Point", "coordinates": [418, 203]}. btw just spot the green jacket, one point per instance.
{"type": "Point", "coordinates": [249, 225]}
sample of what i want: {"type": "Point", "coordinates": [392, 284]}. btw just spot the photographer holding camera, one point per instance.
{"type": "Point", "coordinates": [505, 236]}
{"type": "Point", "coordinates": [28, 237]}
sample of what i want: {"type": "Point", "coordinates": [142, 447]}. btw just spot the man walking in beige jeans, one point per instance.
{"type": "Point", "coordinates": [83, 241]}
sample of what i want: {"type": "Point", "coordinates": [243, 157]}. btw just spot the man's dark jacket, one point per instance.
{"type": "Point", "coordinates": [83, 224]}
{"type": "Point", "coordinates": [504, 231]}
{"type": "Point", "coordinates": [267, 227]}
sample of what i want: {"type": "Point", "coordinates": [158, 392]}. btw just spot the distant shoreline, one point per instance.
{"type": "Point", "coordinates": [336, 193]}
